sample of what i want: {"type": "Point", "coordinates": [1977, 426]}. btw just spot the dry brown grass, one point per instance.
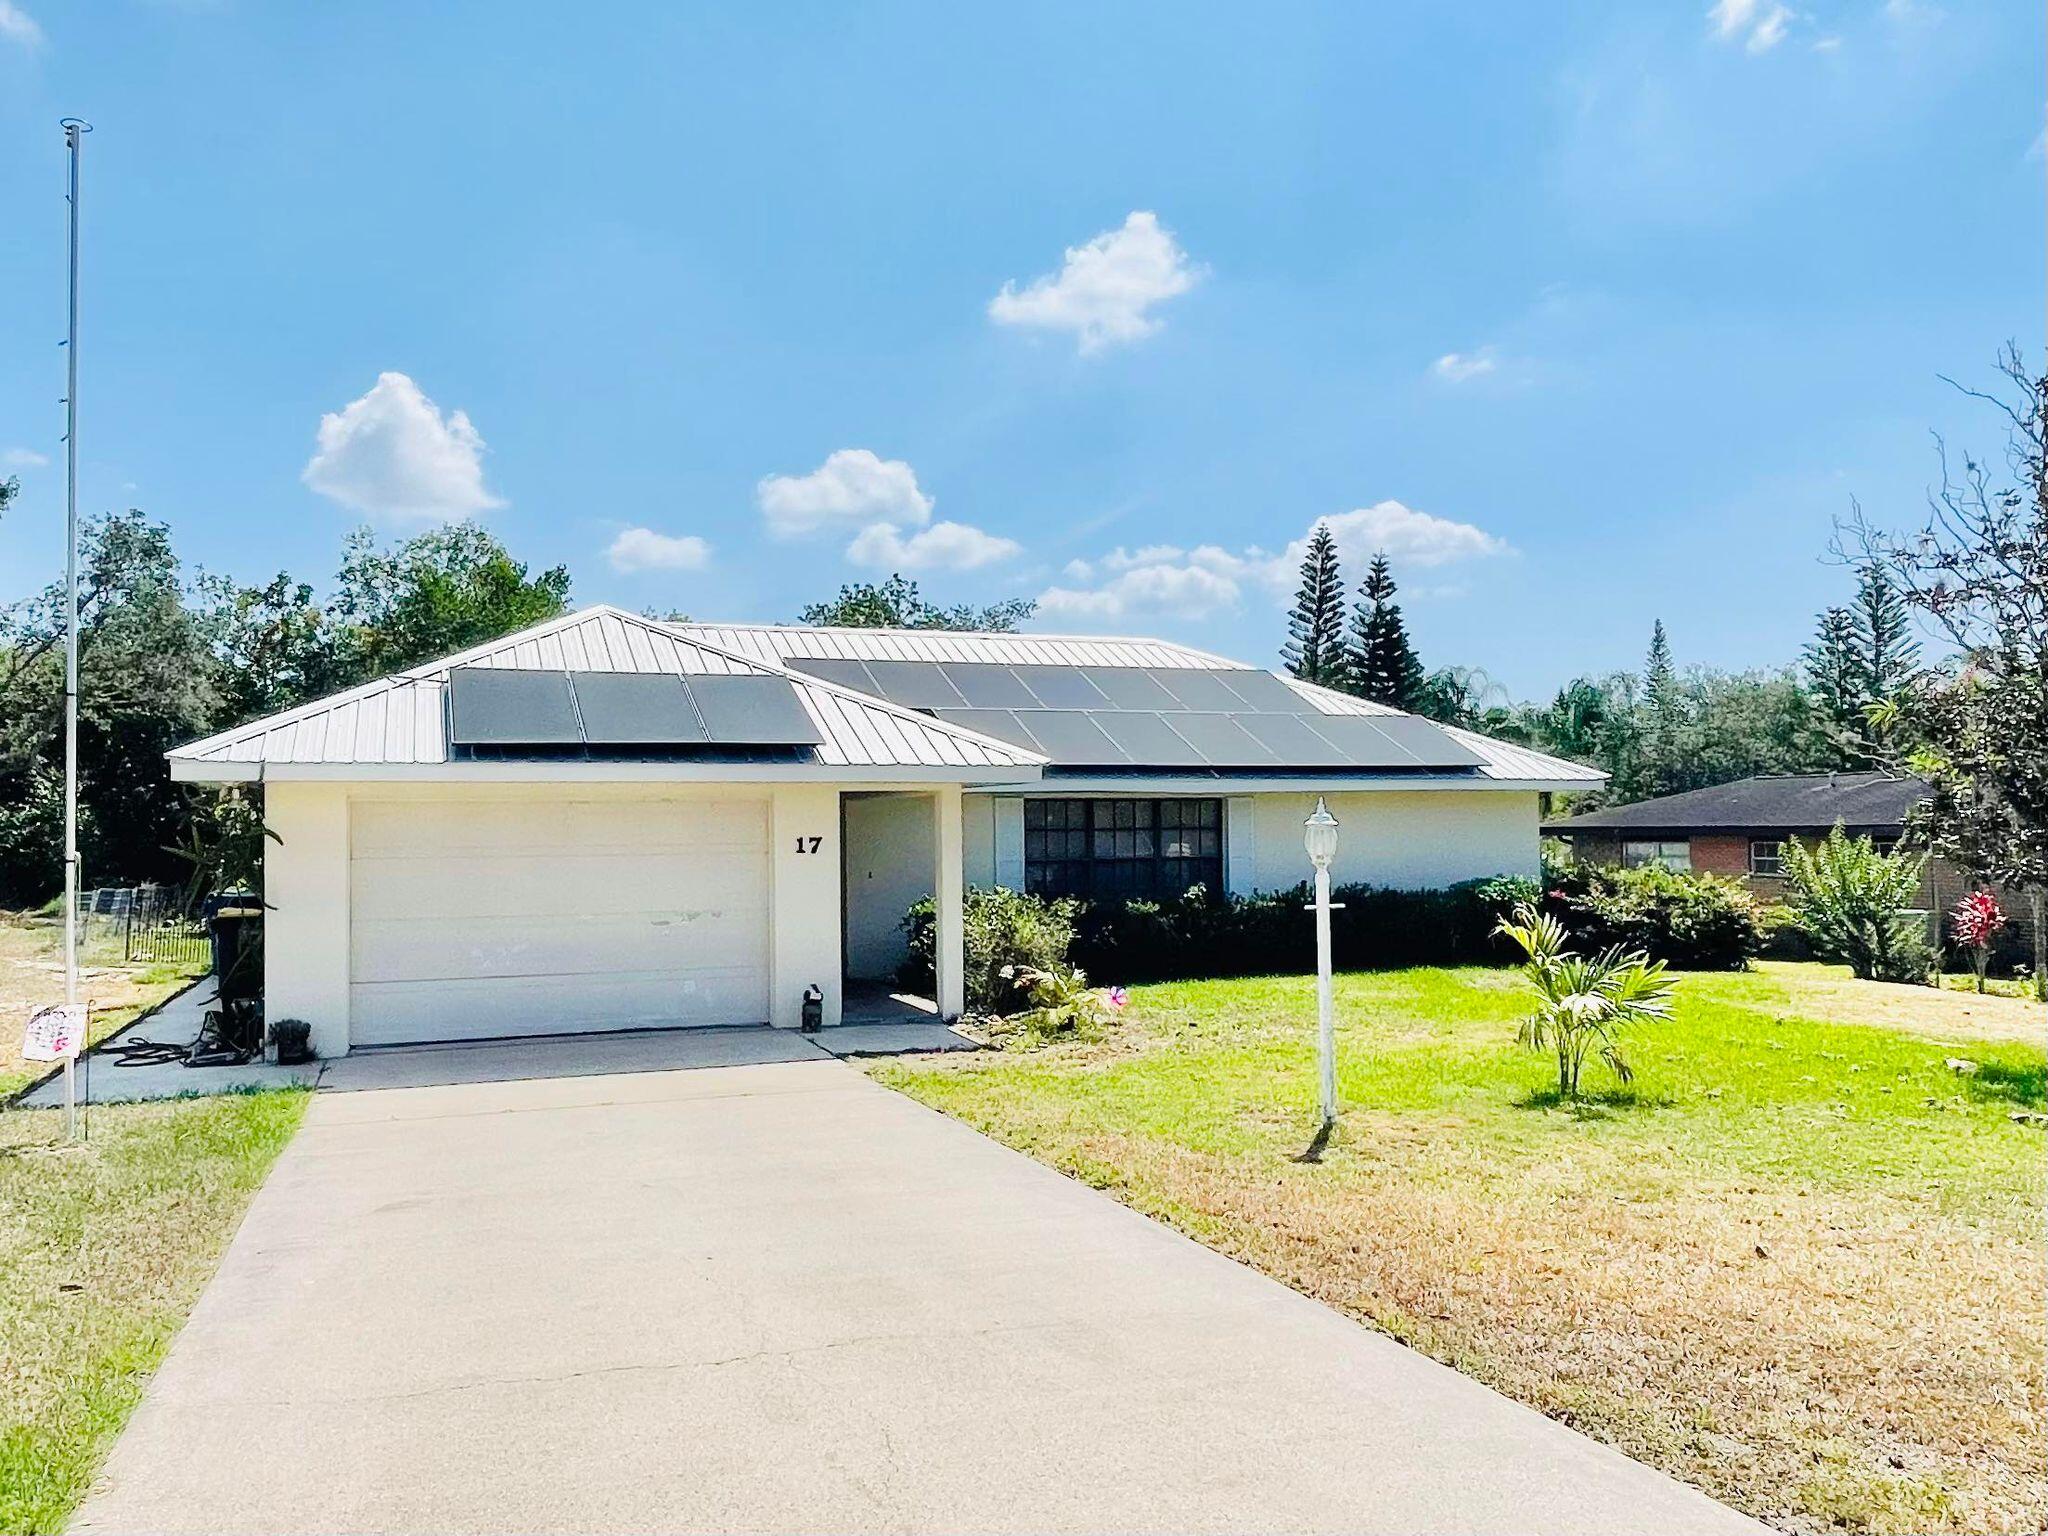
{"type": "Point", "coordinates": [1830, 992]}
{"type": "Point", "coordinates": [32, 974]}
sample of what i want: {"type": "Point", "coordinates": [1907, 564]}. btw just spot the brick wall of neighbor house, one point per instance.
{"type": "Point", "coordinates": [1721, 855]}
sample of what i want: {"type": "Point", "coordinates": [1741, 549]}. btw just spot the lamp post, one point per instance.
{"type": "Point", "coordinates": [1319, 837]}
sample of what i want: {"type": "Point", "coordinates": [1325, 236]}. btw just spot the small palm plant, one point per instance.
{"type": "Point", "coordinates": [1583, 1002]}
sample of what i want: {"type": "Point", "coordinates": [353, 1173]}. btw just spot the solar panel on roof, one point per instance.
{"type": "Point", "coordinates": [834, 669]}
{"type": "Point", "coordinates": [1265, 692]}
{"type": "Point", "coordinates": [999, 723]}
{"type": "Point", "coordinates": [985, 685]}
{"type": "Point", "coordinates": [1197, 688]}
{"type": "Point", "coordinates": [752, 711]}
{"type": "Point", "coordinates": [1224, 741]}
{"type": "Point", "coordinates": [1146, 738]}
{"type": "Point", "coordinates": [1061, 687]}
{"type": "Point", "coordinates": [1068, 736]}
{"type": "Point", "coordinates": [914, 684]}
{"type": "Point", "coordinates": [1295, 741]}
{"type": "Point", "coordinates": [1132, 688]}
{"type": "Point", "coordinates": [1393, 741]}
{"type": "Point", "coordinates": [500, 706]}
{"type": "Point", "coordinates": [622, 708]}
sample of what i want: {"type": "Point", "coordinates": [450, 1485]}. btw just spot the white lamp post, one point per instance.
{"type": "Point", "coordinates": [1319, 837]}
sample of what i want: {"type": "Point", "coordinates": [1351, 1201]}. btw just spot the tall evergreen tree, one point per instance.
{"type": "Point", "coordinates": [1888, 653]}
{"type": "Point", "coordinates": [1834, 667]}
{"type": "Point", "coordinates": [1383, 664]}
{"type": "Point", "coordinates": [1660, 677]}
{"type": "Point", "coordinates": [1315, 628]}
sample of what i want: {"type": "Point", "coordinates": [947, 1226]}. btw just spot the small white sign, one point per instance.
{"type": "Point", "coordinates": [54, 1033]}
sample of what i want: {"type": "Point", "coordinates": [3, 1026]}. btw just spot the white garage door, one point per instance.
{"type": "Point", "coordinates": [470, 919]}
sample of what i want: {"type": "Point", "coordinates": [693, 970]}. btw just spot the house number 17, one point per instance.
{"type": "Point", "coordinates": [809, 844]}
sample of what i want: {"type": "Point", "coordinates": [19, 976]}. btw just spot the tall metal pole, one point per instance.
{"type": "Point", "coordinates": [74, 136]}
{"type": "Point", "coordinates": [1326, 1012]}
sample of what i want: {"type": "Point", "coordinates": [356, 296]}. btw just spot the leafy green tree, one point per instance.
{"type": "Point", "coordinates": [276, 647]}
{"type": "Point", "coordinates": [897, 604]}
{"type": "Point", "coordinates": [433, 595]}
{"type": "Point", "coordinates": [1976, 570]}
{"type": "Point", "coordinates": [1315, 626]}
{"type": "Point", "coordinates": [1856, 905]}
{"type": "Point", "coordinates": [1464, 696]}
{"type": "Point", "coordinates": [1383, 665]}
{"type": "Point", "coordinates": [147, 682]}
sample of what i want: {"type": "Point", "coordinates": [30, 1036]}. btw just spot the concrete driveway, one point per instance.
{"type": "Point", "coordinates": [774, 1296]}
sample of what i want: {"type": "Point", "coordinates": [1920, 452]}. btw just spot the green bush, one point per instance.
{"type": "Point", "coordinates": [1697, 921]}
{"type": "Point", "coordinates": [1856, 905]}
{"type": "Point", "coordinates": [1201, 933]}
{"type": "Point", "coordinates": [1004, 931]}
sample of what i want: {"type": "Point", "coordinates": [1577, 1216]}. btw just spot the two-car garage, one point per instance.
{"type": "Point", "coordinates": [500, 916]}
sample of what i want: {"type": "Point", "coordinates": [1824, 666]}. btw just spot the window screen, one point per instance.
{"type": "Point", "coordinates": [1108, 849]}
{"type": "Point", "coordinates": [1767, 857]}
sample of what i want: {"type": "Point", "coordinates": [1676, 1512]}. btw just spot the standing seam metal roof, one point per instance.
{"type": "Point", "coordinates": [401, 719]}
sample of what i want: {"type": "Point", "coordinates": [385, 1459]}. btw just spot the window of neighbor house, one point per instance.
{"type": "Point", "coordinates": [1671, 854]}
{"type": "Point", "coordinates": [1113, 848]}
{"type": "Point", "coordinates": [1767, 857]}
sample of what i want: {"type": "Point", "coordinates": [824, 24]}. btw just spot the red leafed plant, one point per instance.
{"type": "Point", "coordinates": [1975, 921]}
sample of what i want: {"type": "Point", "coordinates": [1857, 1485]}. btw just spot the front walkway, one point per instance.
{"type": "Point", "coordinates": [775, 1296]}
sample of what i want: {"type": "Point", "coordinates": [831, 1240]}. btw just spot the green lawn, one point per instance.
{"type": "Point", "coordinates": [103, 1249]}
{"type": "Point", "coordinates": [1799, 1264]}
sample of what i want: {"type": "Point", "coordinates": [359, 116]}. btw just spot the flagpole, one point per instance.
{"type": "Point", "coordinates": [74, 136]}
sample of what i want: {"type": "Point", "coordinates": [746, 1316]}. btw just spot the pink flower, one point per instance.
{"type": "Point", "coordinates": [1118, 997]}
{"type": "Point", "coordinates": [1975, 919]}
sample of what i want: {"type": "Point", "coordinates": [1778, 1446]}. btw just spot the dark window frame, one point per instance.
{"type": "Point", "coordinates": [1104, 847]}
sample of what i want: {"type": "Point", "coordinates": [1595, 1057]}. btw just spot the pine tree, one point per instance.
{"type": "Point", "coordinates": [1889, 655]}
{"type": "Point", "coordinates": [1660, 677]}
{"type": "Point", "coordinates": [1661, 704]}
{"type": "Point", "coordinates": [1315, 628]}
{"type": "Point", "coordinates": [1835, 674]}
{"type": "Point", "coordinates": [1383, 664]}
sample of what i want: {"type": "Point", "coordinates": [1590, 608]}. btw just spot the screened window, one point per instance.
{"type": "Point", "coordinates": [1667, 854]}
{"type": "Point", "coordinates": [1767, 857]}
{"type": "Point", "coordinates": [1122, 848]}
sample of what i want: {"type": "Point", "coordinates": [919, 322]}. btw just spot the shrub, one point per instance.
{"type": "Point", "coordinates": [1856, 905]}
{"type": "Point", "coordinates": [1975, 922]}
{"type": "Point", "coordinates": [1062, 1005]}
{"type": "Point", "coordinates": [1005, 933]}
{"type": "Point", "coordinates": [1697, 921]}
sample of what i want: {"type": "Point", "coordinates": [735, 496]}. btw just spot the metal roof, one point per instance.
{"type": "Point", "coordinates": [401, 722]}
{"type": "Point", "coordinates": [791, 642]}
{"type": "Point", "coordinates": [398, 724]}
{"type": "Point", "coordinates": [1788, 802]}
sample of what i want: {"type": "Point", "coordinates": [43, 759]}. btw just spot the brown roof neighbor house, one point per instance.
{"type": "Point", "coordinates": [1740, 830]}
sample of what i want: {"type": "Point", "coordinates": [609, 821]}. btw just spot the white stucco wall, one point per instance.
{"type": "Point", "coordinates": [1404, 839]}
{"type": "Point", "coordinates": [891, 845]}
{"type": "Point", "coordinates": [306, 885]}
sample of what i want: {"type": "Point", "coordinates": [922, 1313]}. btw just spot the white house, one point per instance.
{"type": "Point", "coordinates": [607, 822]}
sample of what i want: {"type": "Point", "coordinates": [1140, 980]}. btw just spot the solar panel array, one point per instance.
{"type": "Point", "coordinates": [1151, 717]}
{"type": "Point", "coordinates": [508, 707]}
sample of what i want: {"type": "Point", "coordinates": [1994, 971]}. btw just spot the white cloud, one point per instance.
{"type": "Point", "coordinates": [853, 485]}
{"type": "Point", "coordinates": [1761, 26]}
{"type": "Point", "coordinates": [1458, 367]}
{"type": "Point", "coordinates": [1163, 582]}
{"type": "Point", "coordinates": [17, 26]}
{"type": "Point", "coordinates": [1103, 292]}
{"type": "Point", "coordinates": [393, 454]}
{"type": "Point", "coordinates": [23, 458]}
{"type": "Point", "coordinates": [1154, 593]}
{"type": "Point", "coordinates": [941, 547]}
{"type": "Point", "coordinates": [642, 549]}
{"type": "Point", "coordinates": [1409, 538]}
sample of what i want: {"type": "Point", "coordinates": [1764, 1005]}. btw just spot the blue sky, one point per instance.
{"type": "Point", "coordinates": [1591, 313]}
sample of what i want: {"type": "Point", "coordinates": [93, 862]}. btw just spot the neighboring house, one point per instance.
{"type": "Point", "coordinates": [1740, 830]}
{"type": "Point", "coordinates": [609, 822]}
